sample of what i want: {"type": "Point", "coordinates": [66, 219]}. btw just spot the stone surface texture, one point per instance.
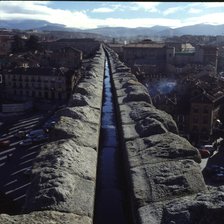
{"type": "Point", "coordinates": [165, 182]}
{"type": "Point", "coordinates": [45, 217]}
{"type": "Point", "coordinates": [64, 173]}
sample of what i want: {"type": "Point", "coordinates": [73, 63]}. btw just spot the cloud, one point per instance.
{"type": "Point", "coordinates": [213, 4]}
{"type": "Point", "coordinates": [210, 18]}
{"type": "Point", "coordinates": [194, 10]}
{"type": "Point", "coordinates": [147, 6]}
{"type": "Point", "coordinates": [81, 19]}
{"type": "Point", "coordinates": [136, 22]}
{"type": "Point", "coordinates": [103, 10]}
{"type": "Point", "coordinates": [171, 10]}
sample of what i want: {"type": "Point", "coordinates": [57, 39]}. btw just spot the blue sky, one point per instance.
{"type": "Point", "coordinates": [93, 14]}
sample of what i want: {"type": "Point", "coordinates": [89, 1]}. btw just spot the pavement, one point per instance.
{"type": "Point", "coordinates": [16, 161]}
{"type": "Point", "coordinates": [217, 159]}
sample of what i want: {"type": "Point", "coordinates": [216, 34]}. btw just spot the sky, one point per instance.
{"type": "Point", "coordinates": [93, 14]}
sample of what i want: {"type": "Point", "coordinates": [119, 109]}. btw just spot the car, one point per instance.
{"type": "Point", "coordinates": [26, 142]}
{"type": "Point", "coordinates": [209, 148]}
{"type": "Point", "coordinates": [40, 138]}
{"type": "Point", "coordinates": [212, 170]}
{"type": "Point", "coordinates": [48, 125]}
{"type": "Point", "coordinates": [35, 133]}
{"type": "Point", "coordinates": [27, 172]}
{"type": "Point", "coordinates": [204, 153]}
{"type": "Point", "coordinates": [218, 177]}
{"type": "Point", "coordinates": [20, 134]}
{"type": "Point", "coordinates": [4, 144]}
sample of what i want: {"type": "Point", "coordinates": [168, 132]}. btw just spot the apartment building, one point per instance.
{"type": "Point", "coordinates": [151, 57]}
{"type": "Point", "coordinates": [204, 112]}
{"type": "Point", "coordinates": [38, 83]}
{"type": "Point", "coordinates": [87, 45]}
{"type": "Point", "coordinates": [5, 44]}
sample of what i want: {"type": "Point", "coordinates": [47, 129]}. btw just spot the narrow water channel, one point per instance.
{"type": "Point", "coordinates": [110, 204]}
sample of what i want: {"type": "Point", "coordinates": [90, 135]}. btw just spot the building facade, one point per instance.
{"type": "Point", "coordinates": [152, 56]}
{"type": "Point", "coordinates": [5, 44]}
{"type": "Point", "coordinates": [38, 83]}
{"type": "Point", "coordinates": [204, 113]}
{"type": "Point", "coordinates": [66, 57]}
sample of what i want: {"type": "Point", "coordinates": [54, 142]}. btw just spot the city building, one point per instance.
{"type": "Point", "coordinates": [38, 83]}
{"type": "Point", "coordinates": [204, 113]}
{"type": "Point", "coordinates": [151, 57]}
{"type": "Point", "coordinates": [5, 44]}
{"type": "Point", "coordinates": [66, 57]}
{"type": "Point", "coordinates": [87, 45]}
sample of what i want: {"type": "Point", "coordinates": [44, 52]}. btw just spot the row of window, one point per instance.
{"type": "Point", "coordinates": [34, 85]}
{"type": "Point", "coordinates": [32, 79]}
{"type": "Point", "coordinates": [205, 120]}
{"type": "Point", "coordinates": [204, 130]}
{"type": "Point", "coordinates": [39, 94]}
{"type": "Point", "coordinates": [196, 110]}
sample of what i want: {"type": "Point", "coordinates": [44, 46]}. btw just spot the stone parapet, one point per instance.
{"type": "Point", "coordinates": [63, 177]}
{"type": "Point", "coordinates": [165, 182]}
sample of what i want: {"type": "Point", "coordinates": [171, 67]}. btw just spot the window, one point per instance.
{"type": "Point", "coordinates": [195, 128]}
{"type": "Point", "coordinates": [205, 110]}
{"type": "Point", "coordinates": [195, 120]}
{"type": "Point", "coordinates": [195, 110]}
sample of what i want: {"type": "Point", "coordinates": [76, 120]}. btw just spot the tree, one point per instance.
{"type": "Point", "coordinates": [32, 43]}
{"type": "Point", "coordinates": [18, 44]}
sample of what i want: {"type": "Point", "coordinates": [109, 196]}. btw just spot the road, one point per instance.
{"type": "Point", "coordinates": [15, 161]}
{"type": "Point", "coordinates": [217, 159]}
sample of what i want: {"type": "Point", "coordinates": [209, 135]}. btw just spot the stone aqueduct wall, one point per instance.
{"type": "Point", "coordinates": [164, 180]}
{"type": "Point", "coordinates": [166, 185]}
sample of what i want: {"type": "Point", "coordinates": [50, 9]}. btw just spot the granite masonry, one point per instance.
{"type": "Point", "coordinates": [165, 183]}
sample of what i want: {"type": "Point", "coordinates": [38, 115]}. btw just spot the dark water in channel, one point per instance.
{"type": "Point", "coordinates": [110, 205]}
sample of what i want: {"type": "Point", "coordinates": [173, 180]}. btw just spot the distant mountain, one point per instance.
{"type": "Point", "coordinates": [201, 29]}
{"type": "Point", "coordinates": [116, 32]}
{"type": "Point", "coordinates": [28, 24]}
{"type": "Point", "coordinates": [127, 32]}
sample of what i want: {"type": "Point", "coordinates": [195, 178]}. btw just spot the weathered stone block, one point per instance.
{"type": "Point", "coordinates": [160, 148]}
{"type": "Point", "coordinates": [45, 217]}
{"type": "Point", "coordinates": [166, 180]}
{"type": "Point", "coordinates": [206, 207]}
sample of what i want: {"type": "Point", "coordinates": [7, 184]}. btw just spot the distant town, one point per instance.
{"type": "Point", "coordinates": [183, 74]}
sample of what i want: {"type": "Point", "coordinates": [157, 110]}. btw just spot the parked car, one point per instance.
{"type": "Point", "coordinates": [213, 170]}
{"type": "Point", "coordinates": [204, 153]}
{"type": "Point", "coordinates": [27, 172]}
{"type": "Point", "coordinates": [40, 138]}
{"type": "Point", "coordinates": [209, 148]}
{"type": "Point", "coordinates": [49, 124]}
{"type": "Point", "coordinates": [26, 142]}
{"type": "Point", "coordinates": [218, 177]}
{"type": "Point", "coordinates": [20, 134]}
{"type": "Point", "coordinates": [35, 133]}
{"type": "Point", "coordinates": [4, 144]}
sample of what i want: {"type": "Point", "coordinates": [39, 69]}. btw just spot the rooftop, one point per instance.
{"type": "Point", "coordinates": [140, 45]}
